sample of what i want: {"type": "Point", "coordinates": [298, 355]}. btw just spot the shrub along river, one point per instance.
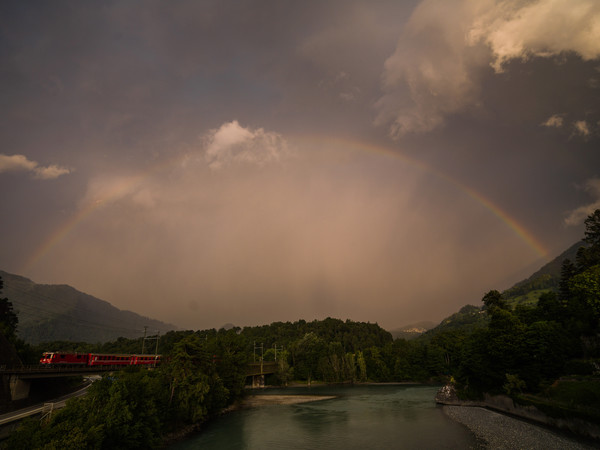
{"type": "Point", "coordinates": [358, 417]}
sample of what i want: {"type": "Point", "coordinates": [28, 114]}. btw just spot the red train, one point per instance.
{"type": "Point", "coordinates": [98, 359]}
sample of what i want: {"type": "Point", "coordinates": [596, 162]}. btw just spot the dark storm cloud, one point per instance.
{"type": "Point", "coordinates": [121, 75]}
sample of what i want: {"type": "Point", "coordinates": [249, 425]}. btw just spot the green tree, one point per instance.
{"type": "Point", "coordinates": [494, 299]}
{"type": "Point", "coordinates": [306, 354]}
{"type": "Point", "coordinates": [120, 411]}
{"type": "Point", "coordinates": [376, 366]}
{"type": "Point", "coordinates": [590, 256]}
{"type": "Point", "coordinates": [8, 318]}
{"type": "Point", "coordinates": [513, 384]}
{"type": "Point", "coordinates": [490, 353]}
{"type": "Point", "coordinates": [350, 367]}
{"type": "Point", "coordinates": [127, 406]}
{"type": "Point", "coordinates": [592, 229]}
{"type": "Point", "coordinates": [567, 271]}
{"type": "Point", "coordinates": [450, 342]}
{"type": "Point", "coordinates": [229, 355]}
{"type": "Point", "coordinates": [586, 286]}
{"type": "Point", "coordinates": [549, 307]}
{"type": "Point", "coordinates": [362, 367]}
{"type": "Point", "coordinates": [475, 371]}
{"type": "Point", "coordinates": [284, 371]}
{"type": "Point", "coordinates": [546, 348]}
{"type": "Point", "coordinates": [187, 380]}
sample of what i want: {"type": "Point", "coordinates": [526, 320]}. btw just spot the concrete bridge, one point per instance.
{"type": "Point", "coordinates": [16, 382]}
{"type": "Point", "coordinates": [258, 371]}
{"type": "Point", "coordinates": [19, 380]}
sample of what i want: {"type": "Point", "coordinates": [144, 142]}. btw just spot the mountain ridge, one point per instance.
{"type": "Point", "coordinates": [526, 291]}
{"type": "Point", "coordinates": [52, 312]}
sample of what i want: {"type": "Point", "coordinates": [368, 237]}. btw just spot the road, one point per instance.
{"type": "Point", "coordinates": [54, 404]}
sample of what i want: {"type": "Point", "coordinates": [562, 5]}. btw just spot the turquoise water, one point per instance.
{"type": "Point", "coordinates": [364, 417]}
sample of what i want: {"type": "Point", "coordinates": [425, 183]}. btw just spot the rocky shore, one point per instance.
{"type": "Point", "coordinates": [499, 431]}
{"type": "Point", "coordinates": [502, 431]}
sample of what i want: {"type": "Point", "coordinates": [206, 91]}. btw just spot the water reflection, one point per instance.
{"type": "Point", "coordinates": [319, 419]}
{"type": "Point", "coordinates": [403, 417]}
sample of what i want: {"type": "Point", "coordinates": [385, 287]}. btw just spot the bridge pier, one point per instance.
{"type": "Point", "coordinates": [258, 381]}
{"type": "Point", "coordinates": [4, 392]}
{"type": "Point", "coordinates": [19, 389]}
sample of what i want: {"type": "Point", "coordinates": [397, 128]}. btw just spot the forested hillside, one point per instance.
{"type": "Point", "coordinates": [525, 292]}
{"type": "Point", "coordinates": [544, 280]}
{"type": "Point", "coordinates": [60, 312]}
{"type": "Point", "coordinates": [546, 353]}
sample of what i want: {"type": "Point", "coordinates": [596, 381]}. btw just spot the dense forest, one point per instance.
{"type": "Point", "coordinates": [545, 353]}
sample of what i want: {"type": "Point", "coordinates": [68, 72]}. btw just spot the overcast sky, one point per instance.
{"type": "Point", "coordinates": [204, 162]}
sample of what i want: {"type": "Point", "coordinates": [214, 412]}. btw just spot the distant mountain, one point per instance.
{"type": "Point", "coordinates": [50, 312]}
{"type": "Point", "coordinates": [468, 318]}
{"type": "Point", "coordinates": [412, 331]}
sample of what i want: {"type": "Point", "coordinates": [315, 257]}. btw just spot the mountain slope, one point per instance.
{"type": "Point", "coordinates": [527, 291]}
{"type": "Point", "coordinates": [60, 312]}
{"type": "Point", "coordinates": [545, 279]}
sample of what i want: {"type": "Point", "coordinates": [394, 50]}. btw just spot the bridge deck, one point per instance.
{"type": "Point", "coordinates": [261, 369]}
{"type": "Point", "coordinates": [32, 372]}
{"type": "Point", "coordinates": [40, 371]}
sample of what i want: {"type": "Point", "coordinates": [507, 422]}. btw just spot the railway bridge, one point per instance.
{"type": "Point", "coordinates": [16, 382]}
{"type": "Point", "coordinates": [258, 371]}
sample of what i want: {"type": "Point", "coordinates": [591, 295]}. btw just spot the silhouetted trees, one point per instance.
{"type": "Point", "coordinates": [8, 318]}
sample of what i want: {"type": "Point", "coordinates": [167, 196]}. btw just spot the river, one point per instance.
{"type": "Point", "coordinates": [359, 417]}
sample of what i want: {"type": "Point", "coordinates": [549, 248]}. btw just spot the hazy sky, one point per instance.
{"type": "Point", "coordinates": [204, 162]}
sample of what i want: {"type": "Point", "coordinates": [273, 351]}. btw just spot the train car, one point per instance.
{"type": "Point", "coordinates": [69, 359]}
{"type": "Point", "coordinates": [101, 359]}
{"type": "Point", "coordinates": [64, 359]}
{"type": "Point", "coordinates": [145, 360]}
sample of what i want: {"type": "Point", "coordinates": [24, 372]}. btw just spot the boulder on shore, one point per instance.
{"type": "Point", "coordinates": [447, 395]}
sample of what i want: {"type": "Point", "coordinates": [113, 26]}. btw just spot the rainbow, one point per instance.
{"type": "Point", "coordinates": [115, 192]}
{"type": "Point", "coordinates": [65, 229]}
{"type": "Point", "coordinates": [509, 221]}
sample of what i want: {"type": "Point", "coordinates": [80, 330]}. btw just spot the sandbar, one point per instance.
{"type": "Point", "coordinates": [266, 400]}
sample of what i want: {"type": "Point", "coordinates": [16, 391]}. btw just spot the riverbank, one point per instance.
{"type": "Point", "coordinates": [447, 395]}
{"type": "Point", "coordinates": [501, 431]}
{"type": "Point", "coordinates": [365, 416]}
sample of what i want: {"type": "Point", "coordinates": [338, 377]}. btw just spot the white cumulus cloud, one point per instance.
{"type": "Point", "coordinates": [20, 163]}
{"type": "Point", "coordinates": [522, 29]}
{"type": "Point", "coordinates": [447, 45]}
{"type": "Point", "coordinates": [581, 128]}
{"type": "Point", "coordinates": [578, 215]}
{"type": "Point", "coordinates": [233, 144]}
{"type": "Point", "coordinates": [431, 72]}
{"type": "Point", "coordinates": [554, 121]}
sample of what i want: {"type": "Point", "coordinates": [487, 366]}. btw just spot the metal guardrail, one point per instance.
{"type": "Point", "coordinates": [32, 371]}
{"type": "Point", "coordinates": [44, 409]}
{"type": "Point", "coordinates": [253, 369]}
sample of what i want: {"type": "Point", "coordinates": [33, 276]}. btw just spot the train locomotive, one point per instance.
{"type": "Point", "coordinates": [67, 359]}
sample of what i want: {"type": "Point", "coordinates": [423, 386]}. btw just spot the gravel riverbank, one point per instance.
{"type": "Point", "coordinates": [499, 431]}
